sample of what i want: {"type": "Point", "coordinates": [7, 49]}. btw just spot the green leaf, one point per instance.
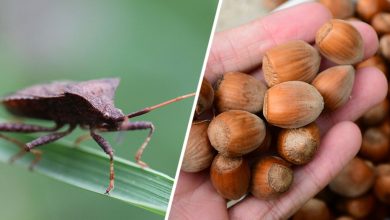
{"type": "Point", "coordinates": [89, 169]}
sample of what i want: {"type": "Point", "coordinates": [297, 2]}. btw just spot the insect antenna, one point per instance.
{"type": "Point", "coordinates": [148, 109]}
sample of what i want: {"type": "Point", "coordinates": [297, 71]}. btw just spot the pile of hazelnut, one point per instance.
{"type": "Point", "coordinates": [258, 131]}
{"type": "Point", "coordinates": [362, 189]}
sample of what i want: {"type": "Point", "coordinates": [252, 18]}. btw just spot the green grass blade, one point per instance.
{"type": "Point", "coordinates": [89, 169]}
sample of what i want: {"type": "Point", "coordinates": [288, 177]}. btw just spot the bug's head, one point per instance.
{"type": "Point", "coordinates": [113, 117]}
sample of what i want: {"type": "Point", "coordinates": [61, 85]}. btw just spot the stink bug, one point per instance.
{"type": "Point", "coordinates": [88, 105]}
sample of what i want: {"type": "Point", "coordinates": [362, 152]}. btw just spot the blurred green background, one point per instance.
{"type": "Point", "coordinates": [156, 48]}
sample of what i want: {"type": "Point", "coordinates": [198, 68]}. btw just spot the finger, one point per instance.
{"type": "Point", "coordinates": [242, 48]}
{"type": "Point", "coordinates": [338, 147]}
{"type": "Point", "coordinates": [190, 181]}
{"type": "Point", "coordinates": [195, 198]}
{"type": "Point", "coordinates": [370, 38]}
{"type": "Point", "coordinates": [369, 89]}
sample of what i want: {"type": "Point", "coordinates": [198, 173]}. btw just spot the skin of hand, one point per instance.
{"type": "Point", "coordinates": [242, 49]}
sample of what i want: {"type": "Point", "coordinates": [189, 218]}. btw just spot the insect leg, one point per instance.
{"type": "Point", "coordinates": [48, 138]}
{"type": "Point", "coordinates": [139, 125]}
{"type": "Point", "coordinates": [82, 138]}
{"type": "Point", "coordinates": [148, 109]}
{"type": "Point", "coordinates": [37, 153]}
{"type": "Point", "coordinates": [24, 128]}
{"type": "Point", "coordinates": [108, 149]}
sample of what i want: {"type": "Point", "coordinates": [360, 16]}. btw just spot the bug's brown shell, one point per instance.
{"type": "Point", "coordinates": [63, 100]}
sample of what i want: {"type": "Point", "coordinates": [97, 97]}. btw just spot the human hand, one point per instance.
{"type": "Point", "coordinates": [242, 49]}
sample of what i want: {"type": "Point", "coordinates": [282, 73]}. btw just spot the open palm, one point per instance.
{"type": "Point", "coordinates": [242, 49]}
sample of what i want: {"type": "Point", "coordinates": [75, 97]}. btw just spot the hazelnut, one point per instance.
{"type": "Point", "coordinates": [375, 145]}
{"type": "Point", "coordinates": [359, 207]}
{"type": "Point", "coordinates": [271, 176]}
{"type": "Point", "coordinates": [368, 8]}
{"type": "Point", "coordinates": [356, 178]}
{"type": "Point", "coordinates": [292, 104]}
{"type": "Point", "coordinates": [374, 61]}
{"type": "Point", "coordinates": [230, 176]}
{"type": "Point", "coordinates": [340, 42]}
{"type": "Point", "coordinates": [263, 148]}
{"type": "Point", "coordinates": [206, 97]}
{"type": "Point", "coordinates": [294, 60]}
{"type": "Point", "coordinates": [199, 153]}
{"type": "Point", "coordinates": [382, 169]}
{"type": "Point", "coordinates": [381, 23]}
{"type": "Point", "coordinates": [385, 127]}
{"type": "Point", "coordinates": [335, 85]}
{"type": "Point", "coordinates": [340, 9]}
{"type": "Point", "coordinates": [382, 184]}
{"type": "Point", "coordinates": [235, 133]}
{"type": "Point", "coordinates": [384, 46]}
{"type": "Point", "coordinates": [376, 114]}
{"type": "Point", "coordinates": [239, 91]}
{"type": "Point", "coordinates": [313, 209]}
{"type": "Point", "coordinates": [298, 145]}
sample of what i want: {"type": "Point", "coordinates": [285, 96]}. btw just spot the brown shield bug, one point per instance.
{"type": "Point", "coordinates": [87, 104]}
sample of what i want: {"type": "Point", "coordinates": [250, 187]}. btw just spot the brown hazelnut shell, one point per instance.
{"type": "Point", "coordinates": [291, 61]}
{"type": "Point", "coordinates": [376, 114]}
{"type": "Point", "coordinates": [367, 9]}
{"type": "Point", "coordinates": [239, 91]}
{"type": "Point", "coordinates": [383, 169]}
{"type": "Point", "coordinates": [271, 176]}
{"type": "Point", "coordinates": [359, 207]}
{"type": "Point", "coordinates": [298, 145]}
{"type": "Point", "coordinates": [292, 104]}
{"type": "Point", "coordinates": [199, 153]}
{"type": "Point", "coordinates": [340, 9]}
{"type": "Point", "coordinates": [385, 127]}
{"type": "Point", "coordinates": [230, 176]}
{"type": "Point", "coordinates": [340, 42]}
{"type": "Point", "coordinates": [206, 97]}
{"type": "Point", "coordinates": [263, 148]}
{"type": "Point", "coordinates": [335, 85]}
{"type": "Point", "coordinates": [382, 188]}
{"type": "Point", "coordinates": [382, 183]}
{"type": "Point", "coordinates": [235, 133]}
{"type": "Point", "coordinates": [313, 209]}
{"type": "Point", "coordinates": [356, 178]}
{"type": "Point", "coordinates": [381, 23]}
{"type": "Point", "coordinates": [384, 46]}
{"type": "Point", "coordinates": [375, 145]}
